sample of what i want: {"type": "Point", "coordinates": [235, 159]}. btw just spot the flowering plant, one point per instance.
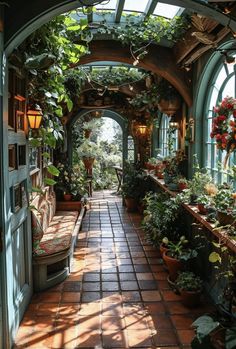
{"type": "Point", "coordinates": [224, 125]}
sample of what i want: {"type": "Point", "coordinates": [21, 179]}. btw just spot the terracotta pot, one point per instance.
{"type": "Point", "coordinates": [169, 107]}
{"type": "Point", "coordinates": [131, 204]}
{"type": "Point", "coordinates": [163, 249]}
{"type": "Point", "coordinates": [218, 338]}
{"type": "Point", "coordinates": [201, 208]}
{"type": "Point", "coordinates": [67, 197]}
{"type": "Point", "coordinates": [174, 266]}
{"type": "Point", "coordinates": [87, 133]}
{"type": "Point", "coordinates": [224, 218]}
{"type": "Point", "coordinates": [190, 298]}
{"type": "Point", "coordinates": [88, 163]}
{"type": "Point", "coordinates": [140, 208]}
{"type": "Point", "coordinates": [182, 186]}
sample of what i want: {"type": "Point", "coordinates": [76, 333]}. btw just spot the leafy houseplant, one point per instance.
{"type": "Point", "coordinates": [190, 288]}
{"type": "Point", "coordinates": [203, 201]}
{"type": "Point", "coordinates": [176, 255]}
{"type": "Point", "coordinates": [90, 125]}
{"type": "Point", "coordinates": [225, 205]}
{"type": "Point", "coordinates": [131, 188]}
{"type": "Point", "coordinates": [214, 332]}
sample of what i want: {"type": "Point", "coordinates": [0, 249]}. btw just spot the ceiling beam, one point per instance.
{"type": "Point", "coordinates": [150, 8]}
{"type": "Point", "coordinates": [119, 8]}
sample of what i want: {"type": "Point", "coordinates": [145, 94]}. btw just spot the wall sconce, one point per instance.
{"type": "Point", "coordinates": [228, 58]}
{"type": "Point", "coordinates": [34, 118]}
{"type": "Point", "coordinates": [174, 124]}
{"type": "Point", "coordinates": [141, 130]}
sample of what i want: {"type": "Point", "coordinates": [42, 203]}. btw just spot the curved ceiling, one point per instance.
{"type": "Point", "coordinates": [22, 18]}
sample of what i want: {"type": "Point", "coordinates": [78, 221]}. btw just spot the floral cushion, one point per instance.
{"type": "Point", "coordinates": [58, 235]}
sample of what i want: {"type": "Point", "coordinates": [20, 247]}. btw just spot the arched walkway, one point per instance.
{"type": "Point", "coordinates": [116, 296]}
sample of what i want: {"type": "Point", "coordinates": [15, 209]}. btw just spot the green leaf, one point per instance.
{"type": "Point", "coordinates": [204, 326]}
{"type": "Point", "coordinates": [53, 170]}
{"type": "Point", "coordinates": [36, 190]}
{"type": "Point", "coordinates": [69, 104]}
{"type": "Point", "coordinates": [230, 338]}
{"type": "Point", "coordinates": [58, 111]}
{"type": "Point", "coordinates": [214, 257]}
{"type": "Point", "coordinates": [73, 27]}
{"type": "Point", "coordinates": [46, 155]}
{"type": "Point", "coordinates": [35, 142]}
{"type": "Point", "coordinates": [49, 181]}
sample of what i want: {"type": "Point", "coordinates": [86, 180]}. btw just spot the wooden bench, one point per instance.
{"type": "Point", "coordinates": [54, 236]}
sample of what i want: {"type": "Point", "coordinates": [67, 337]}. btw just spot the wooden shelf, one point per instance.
{"type": "Point", "coordinates": [193, 210]}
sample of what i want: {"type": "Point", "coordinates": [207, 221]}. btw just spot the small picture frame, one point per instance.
{"type": "Point", "coordinates": [16, 200]}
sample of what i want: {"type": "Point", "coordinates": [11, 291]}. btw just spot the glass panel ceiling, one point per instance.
{"type": "Point", "coordinates": [138, 6]}
{"type": "Point", "coordinates": [161, 9]}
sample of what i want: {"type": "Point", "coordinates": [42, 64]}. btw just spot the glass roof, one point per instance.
{"type": "Point", "coordinates": [143, 6]}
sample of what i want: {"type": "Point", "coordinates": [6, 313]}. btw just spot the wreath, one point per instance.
{"type": "Point", "coordinates": [224, 125]}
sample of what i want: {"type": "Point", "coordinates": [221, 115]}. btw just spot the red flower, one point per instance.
{"type": "Point", "coordinates": [222, 118]}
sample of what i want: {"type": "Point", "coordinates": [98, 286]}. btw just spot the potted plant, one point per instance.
{"type": "Point", "coordinates": [90, 125]}
{"type": "Point", "coordinates": [176, 255]}
{"type": "Point", "coordinates": [203, 201]}
{"type": "Point", "coordinates": [131, 187]}
{"type": "Point", "coordinates": [88, 151]}
{"type": "Point", "coordinates": [190, 288]}
{"type": "Point", "coordinates": [225, 205]}
{"type": "Point", "coordinates": [183, 183]}
{"type": "Point", "coordinates": [168, 98]}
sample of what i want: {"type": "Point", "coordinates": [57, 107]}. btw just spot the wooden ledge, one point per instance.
{"type": "Point", "coordinates": [193, 210]}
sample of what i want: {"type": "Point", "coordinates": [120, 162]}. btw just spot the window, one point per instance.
{"type": "Point", "coordinates": [130, 149]}
{"type": "Point", "coordinates": [168, 140]}
{"type": "Point", "coordinates": [223, 83]}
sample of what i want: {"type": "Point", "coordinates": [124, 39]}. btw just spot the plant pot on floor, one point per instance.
{"type": "Point", "coordinates": [190, 298]}
{"type": "Point", "coordinates": [174, 266]}
{"type": "Point", "coordinates": [67, 197]}
{"type": "Point", "coordinates": [131, 204]}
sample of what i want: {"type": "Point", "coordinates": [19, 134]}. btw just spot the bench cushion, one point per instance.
{"type": "Point", "coordinates": [58, 235]}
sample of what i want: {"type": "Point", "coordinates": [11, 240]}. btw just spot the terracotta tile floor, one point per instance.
{"type": "Point", "coordinates": [116, 295]}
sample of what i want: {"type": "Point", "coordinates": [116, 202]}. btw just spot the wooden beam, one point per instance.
{"type": "Point", "coordinates": [160, 60]}
{"type": "Point", "coordinates": [195, 54]}
{"type": "Point", "coordinates": [150, 7]}
{"type": "Point", "coordinates": [189, 43]}
{"type": "Point", "coordinates": [119, 9]}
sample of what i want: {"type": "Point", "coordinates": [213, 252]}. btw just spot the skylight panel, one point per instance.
{"type": "Point", "coordinates": [107, 5]}
{"type": "Point", "coordinates": [135, 6]}
{"type": "Point", "coordinates": [166, 10]}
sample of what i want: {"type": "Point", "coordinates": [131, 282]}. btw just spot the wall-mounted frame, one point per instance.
{"type": "Point", "coordinates": [16, 200]}
{"type": "Point", "coordinates": [12, 157]}
{"type": "Point", "coordinates": [33, 159]}
{"type": "Point", "coordinates": [24, 195]}
{"type": "Point", "coordinates": [22, 155]}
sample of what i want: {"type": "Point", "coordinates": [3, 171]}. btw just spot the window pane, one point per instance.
{"type": "Point", "coordinates": [229, 89]}
{"type": "Point", "coordinates": [108, 5]}
{"type": "Point", "coordinates": [139, 6]}
{"type": "Point", "coordinates": [168, 11]}
{"type": "Point", "coordinates": [221, 77]}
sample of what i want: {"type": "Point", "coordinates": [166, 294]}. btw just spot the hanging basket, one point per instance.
{"type": "Point", "coordinates": [169, 107]}
{"type": "Point", "coordinates": [87, 133]}
{"type": "Point", "coordinates": [88, 163]}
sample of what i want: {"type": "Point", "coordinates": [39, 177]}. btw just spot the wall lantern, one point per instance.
{"type": "Point", "coordinates": [141, 130]}
{"type": "Point", "coordinates": [34, 118]}
{"type": "Point", "coordinates": [174, 124]}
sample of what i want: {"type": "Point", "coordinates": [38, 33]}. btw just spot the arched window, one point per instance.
{"type": "Point", "coordinates": [223, 83]}
{"type": "Point", "coordinates": [168, 140]}
{"type": "Point", "coordinates": [130, 149]}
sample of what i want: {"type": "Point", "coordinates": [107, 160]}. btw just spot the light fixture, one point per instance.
{"type": "Point", "coordinates": [35, 117]}
{"type": "Point", "coordinates": [141, 130]}
{"type": "Point", "coordinates": [174, 124]}
{"type": "Point", "coordinates": [131, 87]}
{"type": "Point", "coordinates": [228, 58]}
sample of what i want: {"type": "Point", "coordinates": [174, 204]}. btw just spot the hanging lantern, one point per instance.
{"type": "Point", "coordinates": [34, 118]}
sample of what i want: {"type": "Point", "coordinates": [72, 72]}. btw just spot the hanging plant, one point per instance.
{"type": "Point", "coordinates": [224, 126]}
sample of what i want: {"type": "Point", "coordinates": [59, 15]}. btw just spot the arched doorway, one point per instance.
{"type": "Point", "coordinates": [109, 114]}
